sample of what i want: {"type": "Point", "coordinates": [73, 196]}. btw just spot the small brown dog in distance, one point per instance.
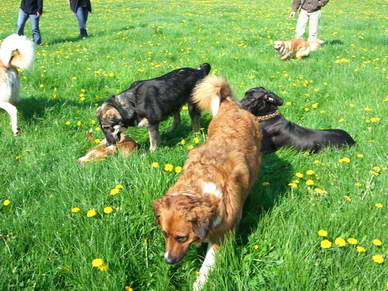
{"type": "Point", "coordinates": [125, 146]}
{"type": "Point", "coordinates": [298, 47]}
{"type": "Point", "coordinates": [206, 202]}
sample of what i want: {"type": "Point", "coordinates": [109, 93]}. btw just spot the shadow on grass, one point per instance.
{"type": "Point", "coordinates": [263, 198]}
{"type": "Point", "coordinates": [334, 42]}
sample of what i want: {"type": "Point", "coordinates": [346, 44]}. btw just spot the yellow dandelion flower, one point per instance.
{"type": "Point", "coordinates": [196, 140]}
{"type": "Point", "coordinates": [339, 241]}
{"type": "Point", "coordinates": [360, 156]}
{"type": "Point", "coordinates": [75, 209]}
{"type": "Point", "coordinates": [341, 120]}
{"type": "Point", "coordinates": [357, 184]}
{"type": "Point", "coordinates": [325, 244]}
{"type": "Point", "coordinates": [79, 123]}
{"type": "Point", "coordinates": [127, 288]}
{"type": "Point", "coordinates": [97, 140]}
{"type": "Point", "coordinates": [155, 165]}
{"type": "Point", "coordinates": [379, 205]}
{"type": "Point", "coordinates": [6, 202]}
{"type": "Point", "coordinates": [347, 198]}
{"type": "Point", "coordinates": [178, 169]}
{"type": "Point", "coordinates": [376, 168]}
{"type": "Point", "coordinates": [103, 267]}
{"type": "Point", "coordinates": [114, 191]}
{"type": "Point", "coordinates": [182, 142]}
{"type": "Point", "coordinates": [344, 160]}
{"type": "Point", "coordinates": [190, 147]}
{"type": "Point", "coordinates": [97, 129]}
{"type": "Point", "coordinates": [352, 241]}
{"type": "Point", "coordinates": [67, 123]}
{"type": "Point", "coordinates": [360, 249]}
{"type": "Point", "coordinates": [265, 183]}
{"type": "Point", "coordinates": [91, 213]}
{"type": "Point", "coordinates": [93, 122]}
{"type": "Point", "coordinates": [18, 157]}
{"type": "Point", "coordinates": [168, 167]}
{"type": "Point", "coordinates": [310, 182]}
{"type": "Point", "coordinates": [310, 172]}
{"type": "Point", "coordinates": [97, 262]}
{"type": "Point", "coordinates": [377, 242]}
{"type": "Point", "coordinates": [293, 185]}
{"type": "Point", "coordinates": [322, 232]}
{"type": "Point", "coordinates": [256, 247]}
{"type": "Point", "coordinates": [378, 259]}
{"type": "Point", "coordinates": [299, 175]}
{"type": "Point", "coordinates": [119, 186]}
{"type": "Point", "coordinates": [185, 107]}
{"type": "Point", "coordinates": [374, 173]}
{"type": "Point", "coordinates": [108, 210]}
{"type": "Point", "coordinates": [320, 191]}
{"type": "Point", "coordinates": [315, 105]}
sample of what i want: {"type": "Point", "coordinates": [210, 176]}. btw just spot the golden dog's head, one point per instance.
{"type": "Point", "coordinates": [278, 44]}
{"type": "Point", "coordinates": [183, 219]}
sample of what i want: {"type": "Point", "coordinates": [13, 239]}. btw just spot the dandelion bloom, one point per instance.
{"type": "Point", "coordinates": [178, 169]}
{"type": "Point", "coordinates": [168, 167]}
{"type": "Point", "coordinates": [196, 140]}
{"type": "Point", "coordinates": [67, 123]}
{"type": "Point", "coordinates": [377, 242]}
{"type": "Point", "coordinates": [322, 232]}
{"type": "Point", "coordinates": [344, 160]}
{"type": "Point", "coordinates": [155, 165]}
{"type": "Point", "coordinates": [360, 156]}
{"type": "Point", "coordinates": [119, 186]}
{"type": "Point", "coordinates": [325, 244]}
{"type": "Point", "coordinates": [360, 249]}
{"type": "Point", "coordinates": [182, 142]}
{"type": "Point", "coordinates": [79, 123]}
{"type": "Point", "coordinates": [103, 267]}
{"type": "Point", "coordinates": [6, 202]}
{"type": "Point", "coordinates": [97, 262]}
{"type": "Point", "coordinates": [339, 241]}
{"type": "Point", "coordinates": [292, 185]}
{"type": "Point", "coordinates": [309, 182]}
{"type": "Point", "coordinates": [320, 191]}
{"type": "Point", "coordinates": [376, 168]}
{"type": "Point", "coordinates": [347, 198]}
{"type": "Point", "coordinates": [265, 183]}
{"type": "Point", "coordinates": [352, 241]}
{"type": "Point", "coordinates": [108, 210]}
{"type": "Point", "coordinates": [190, 147]}
{"type": "Point", "coordinates": [127, 288]}
{"type": "Point", "coordinates": [114, 191]}
{"type": "Point", "coordinates": [91, 213]}
{"type": "Point", "coordinates": [379, 205]}
{"type": "Point", "coordinates": [97, 140]}
{"type": "Point", "coordinates": [75, 209]}
{"type": "Point", "coordinates": [378, 259]}
{"type": "Point", "coordinates": [299, 175]}
{"type": "Point", "coordinates": [256, 247]}
{"type": "Point", "coordinates": [310, 172]}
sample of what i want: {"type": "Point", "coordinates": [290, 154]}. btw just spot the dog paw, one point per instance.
{"type": "Point", "coordinates": [17, 132]}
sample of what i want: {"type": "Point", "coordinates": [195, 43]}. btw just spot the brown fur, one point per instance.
{"type": "Point", "coordinates": [101, 151]}
{"type": "Point", "coordinates": [229, 159]}
{"type": "Point", "coordinates": [298, 47]}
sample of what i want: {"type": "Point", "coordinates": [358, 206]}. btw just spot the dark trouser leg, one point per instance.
{"type": "Point", "coordinates": [22, 18]}
{"type": "Point", "coordinates": [35, 28]}
{"type": "Point", "coordinates": [82, 17]}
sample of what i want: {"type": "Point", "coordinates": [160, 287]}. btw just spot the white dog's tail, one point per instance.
{"type": "Point", "coordinates": [315, 44]}
{"type": "Point", "coordinates": [210, 92]}
{"type": "Point", "coordinates": [23, 48]}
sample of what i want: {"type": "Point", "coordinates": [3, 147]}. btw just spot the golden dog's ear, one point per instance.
{"type": "Point", "coordinates": [202, 216]}
{"type": "Point", "coordinates": [156, 206]}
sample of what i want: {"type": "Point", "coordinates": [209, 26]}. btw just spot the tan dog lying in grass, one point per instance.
{"type": "Point", "coordinates": [206, 203]}
{"type": "Point", "coordinates": [101, 151]}
{"type": "Point", "coordinates": [298, 47]}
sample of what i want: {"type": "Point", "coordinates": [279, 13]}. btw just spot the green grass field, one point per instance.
{"type": "Point", "coordinates": [46, 246]}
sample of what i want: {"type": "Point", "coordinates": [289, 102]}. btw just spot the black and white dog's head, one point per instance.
{"type": "Point", "coordinates": [260, 101]}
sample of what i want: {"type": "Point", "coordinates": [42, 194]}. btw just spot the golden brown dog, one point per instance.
{"type": "Point", "coordinates": [207, 200]}
{"type": "Point", "coordinates": [298, 47]}
{"type": "Point", "coordinates": [101, 151]}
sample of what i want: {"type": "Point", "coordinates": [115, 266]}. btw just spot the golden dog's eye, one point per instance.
{"type": "Point", "coordinates": [181, 239]}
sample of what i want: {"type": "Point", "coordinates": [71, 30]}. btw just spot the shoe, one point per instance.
{"type": "Point", "coordinates": [83, 33]}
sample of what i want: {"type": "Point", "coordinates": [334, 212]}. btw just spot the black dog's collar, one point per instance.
{"type": "Point", "coordinates": [268, 116]}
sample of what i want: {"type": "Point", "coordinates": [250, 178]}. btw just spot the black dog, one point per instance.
{"type": "Point", "coordinates": [147, 103]}
{"type": "Point", "coordinates": [279, 132]}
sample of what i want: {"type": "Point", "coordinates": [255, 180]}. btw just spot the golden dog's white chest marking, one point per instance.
{"type": "Point", "coordinates": [211, 188]}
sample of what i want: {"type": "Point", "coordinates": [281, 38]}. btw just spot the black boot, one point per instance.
{"type": "Point", "coordinates": [83, 32]}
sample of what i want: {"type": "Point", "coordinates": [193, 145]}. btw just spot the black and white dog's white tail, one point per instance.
{"type": "Point", "coordinates": [23, 48]}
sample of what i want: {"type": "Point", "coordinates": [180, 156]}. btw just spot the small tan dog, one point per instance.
{"type": "Point", "coordinates": [298, 47]}
{"type": "Point", "coordinates": [16, 52]}
{"type": "Point", "coordinates": [207, 201]}
{"type": "Point", "coordinates": [125, 146]}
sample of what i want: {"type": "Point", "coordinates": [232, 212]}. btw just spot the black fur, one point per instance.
{"type": "Point", "coordinates": [279, 132]}
{"type": "Point", "coordinates": [155, 99]}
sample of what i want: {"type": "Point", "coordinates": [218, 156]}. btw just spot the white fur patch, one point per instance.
{"type": "Point", "coordinates": [211, 188]}
{"type": "Point", "coordinates": [143, 123]}
{"type": "Point", "coordinates": [215, 105]}
{"type": "Point", "coordinates": [166, 255]}
{"type": "Point", "coordinates": [23, 45]}
{"type": "Point", "coordinates": [217, 221]}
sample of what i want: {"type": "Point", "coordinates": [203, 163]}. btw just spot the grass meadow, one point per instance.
{"type": "Point", "coordinates": [49, 233]}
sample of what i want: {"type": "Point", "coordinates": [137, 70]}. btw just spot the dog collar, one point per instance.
{"type": "Point", "coordinates": [269, 116]}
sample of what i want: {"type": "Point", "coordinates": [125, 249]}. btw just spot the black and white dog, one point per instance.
{"type": "Point", "coordinates": [279, 132]}
{"type": "Point", "coordinates": [147, 103]}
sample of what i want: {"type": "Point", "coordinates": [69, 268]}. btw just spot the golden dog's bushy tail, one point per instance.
{"type": "Point", "coordinates": [23, 48]}
{"type": "Point", "coordinates": [210, 92]}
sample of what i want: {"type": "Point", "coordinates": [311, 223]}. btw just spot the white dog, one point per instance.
{"type": "Point", "coordinates": [16, 52]}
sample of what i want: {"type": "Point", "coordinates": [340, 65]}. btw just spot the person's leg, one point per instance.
{"type": "Point", "coordinates": [80, 14]}
{"type": "Point", "coordinates": [35, 28]}
{"type": "Point", "coordinates": [313, 25]}
{"type": "Point", "coordinates": [22, 18]}
{"type": "Point", "coordinates": [301, 24]}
